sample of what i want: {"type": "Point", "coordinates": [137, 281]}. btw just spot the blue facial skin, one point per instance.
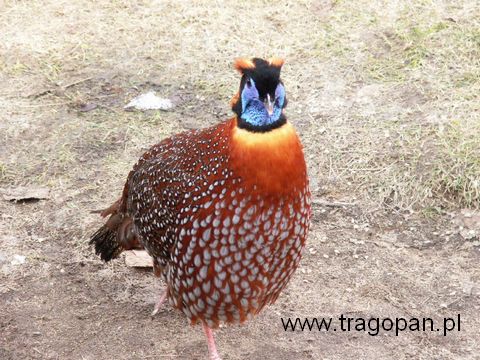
{"type": "Point", "coordinates": [253, 109]}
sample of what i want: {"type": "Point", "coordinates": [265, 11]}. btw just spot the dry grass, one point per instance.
{"type": "Point", "coordinates": [408, 131]}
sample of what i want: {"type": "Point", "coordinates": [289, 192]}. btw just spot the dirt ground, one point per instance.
{"type": "Point", "coordinates": [382, 243]}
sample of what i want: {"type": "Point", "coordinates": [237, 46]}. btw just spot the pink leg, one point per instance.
{"type": "Point", "coordinates": [160, 301]}
{"type": "Point", "coordinates": [212, 349]}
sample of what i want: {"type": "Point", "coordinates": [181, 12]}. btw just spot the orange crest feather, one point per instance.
{"type": "Point", "coordinates": [242, 64]}
{"type": "Point", "coordinates": [277, 62]}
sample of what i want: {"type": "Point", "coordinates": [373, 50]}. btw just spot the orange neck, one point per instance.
{"type": "Point", "coordinates": [273, 160]}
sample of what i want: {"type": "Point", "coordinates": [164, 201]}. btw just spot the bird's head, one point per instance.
{"type": "Point", "coordinates": [261, 99]}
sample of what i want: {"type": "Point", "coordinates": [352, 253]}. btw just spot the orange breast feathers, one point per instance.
{"type": "Point", "coordinates": [272, 160]}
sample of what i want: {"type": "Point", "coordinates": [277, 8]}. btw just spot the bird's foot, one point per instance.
{"type": "Point", "coordinates": [159, 302]}
{"type": "Point", "coordinates": [212, 349]}
{"type": "Point", "coordinates": [215, 357]}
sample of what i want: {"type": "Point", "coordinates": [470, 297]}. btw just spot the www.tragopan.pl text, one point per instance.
{"type": "Point", "coordinates": [374, 325]}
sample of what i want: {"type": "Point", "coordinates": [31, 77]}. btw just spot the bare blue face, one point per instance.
{"type": "Point", "coordinates": [261, 113]}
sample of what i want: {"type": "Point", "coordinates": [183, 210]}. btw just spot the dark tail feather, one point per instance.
{"type": "Point", "coordinates": [106, 244]}
{"type": "Point", "coordinates": [114, 237]}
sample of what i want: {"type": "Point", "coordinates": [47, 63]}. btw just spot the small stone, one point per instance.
{"type": "Point", "coordinates": [18, 260]}
{"type": "Point", "coordinates": [149, 101]}
{"type": "Point", "coordinates": [467, 289]}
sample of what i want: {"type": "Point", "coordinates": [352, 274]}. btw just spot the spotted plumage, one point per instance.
{"type": "Point", "coordinates": [224, 212]}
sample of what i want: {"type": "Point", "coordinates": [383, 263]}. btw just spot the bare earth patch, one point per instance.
{"type": "Point", "coordinates": [385, 98]}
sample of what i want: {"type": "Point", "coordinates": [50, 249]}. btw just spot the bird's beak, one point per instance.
{"type": "Point", "coordinates": [268, 105]}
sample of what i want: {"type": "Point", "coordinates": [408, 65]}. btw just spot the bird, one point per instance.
{"type": "Point", "coordinates": [223, 211]}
